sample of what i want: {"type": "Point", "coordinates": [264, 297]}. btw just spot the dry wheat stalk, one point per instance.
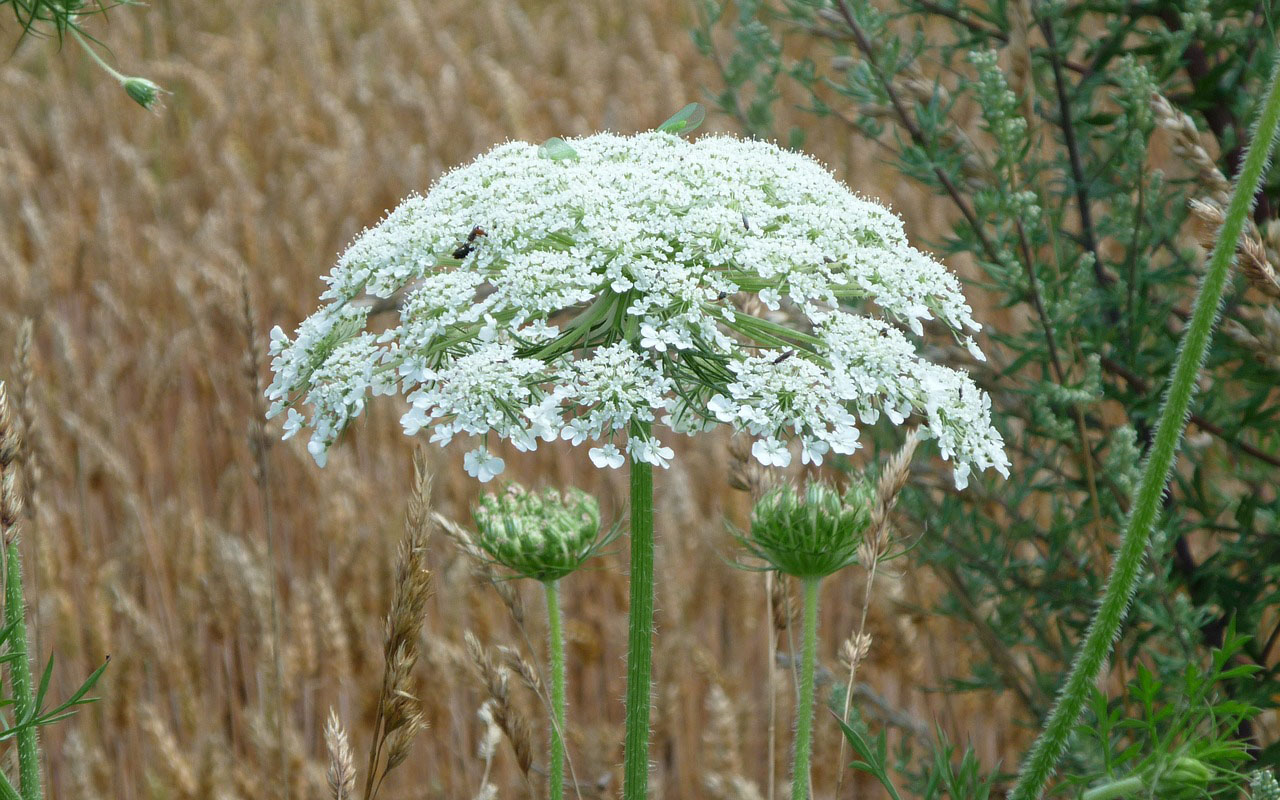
{"type": "Point", "coordinates": [399, 713]}
{"type": "Point", "coordinates": [496, 683]}
{"type": "Point", "coordinates": [31, 461]}
{"type": "Point", "coordinates": [171, 758]}
{"type": "Point", "coordinates": [11, 496]}
{"type": "Point", "coordinates": [1251, 253]}
{"type": "Point", "coordinates": [342, 771]}
{"type": "Point", "coordinates": [1189, 146]}
{"type": "Point", "coordinates": [517, 663]}
{"type": "Point", "coordinates": [723, 774]}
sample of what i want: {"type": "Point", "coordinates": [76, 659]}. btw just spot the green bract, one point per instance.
{"type": "Point", "coordinates": [540, 535]}
{"type": "Point", "coordinates": [809, 534]}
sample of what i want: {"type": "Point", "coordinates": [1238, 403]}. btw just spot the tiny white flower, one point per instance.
{"type": "Point", "coordinates": [974, 350]}
{"type": "Point", "coordinates": [651, 339]}
{"type": "Point", "coordinates": [650, 451]}
{"type": "Point", "coordinates": [771, 298]}
{"type": "Point", "coordinates": [293, 423]}
{"type": "Point", "coordinates": [483, 465]}
{"type": "Point", "coordinates": [813, 451]}
{"type": "Point", "coordinates": [771, 452]}
{"type": "Point", "coordinates": [724, 409]}
{"type": "Point", "coordinates": [319, 451]}
{"type": "Point", "coordinates": [576, 432]}
{"type": "Point", "coordinates": [607, 456]}
{"type": "Point", "coordinates": [278, 340]}
{"type": "Point", "coordinates": [414, 420]}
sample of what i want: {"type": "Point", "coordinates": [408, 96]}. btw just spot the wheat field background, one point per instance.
{"type": "Point", "coordinates": [143, 258]}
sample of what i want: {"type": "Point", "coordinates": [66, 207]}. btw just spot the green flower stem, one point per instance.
{"type": "Point", "coordinates": [84, 44]}
{"type": "Point", "coordinates": [15, 618]}
{"type": "Point", "coordinates": [804, 706]}
{"type": "Point", "coordinates": [635, 752]}
{"type": "Point", "coordinates": [1104, 628]}
{"type": "Point", "coordinates": [1126, 787]}
{"type": "Point", "coordinates": [555, 773]}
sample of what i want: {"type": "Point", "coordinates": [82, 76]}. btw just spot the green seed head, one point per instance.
{"type": "Point", "coordinates": [809, 533]}
{"type": "Point", "coordinates": [541, 535]}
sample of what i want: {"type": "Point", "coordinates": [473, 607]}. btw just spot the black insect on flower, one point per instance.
{"type": "Point", "coordinates": [466, 249]}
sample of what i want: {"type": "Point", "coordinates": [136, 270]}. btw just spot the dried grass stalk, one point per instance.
{"type": "Point", "coordinates": [399, 713]}
{"type": "Point", "coordinates": [496, 682]}
{"type": "Point", "coordinates": [342, 771]}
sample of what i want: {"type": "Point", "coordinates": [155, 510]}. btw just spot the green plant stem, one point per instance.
{"type": "Point", "coordinates": [804, 706]}
{"type": "Point", "coordinates": [84, 44]}
{"type": "Point", "coordinates": [1053, 739]}
{"type": "Point", "coordinates": [1124, 787]}
{"type": "Point", "coordinates": [15, 617]}
{"type": "Point", "coordinates": [555, 772]}
{"type": "Point", "coordinates": [635, 751]}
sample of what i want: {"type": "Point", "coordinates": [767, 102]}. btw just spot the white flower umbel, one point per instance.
{"type": "Point", "coordinates": [568, 292]}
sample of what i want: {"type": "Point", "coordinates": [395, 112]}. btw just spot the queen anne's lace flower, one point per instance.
{"type": "Point", "coordinates": [598, 292]}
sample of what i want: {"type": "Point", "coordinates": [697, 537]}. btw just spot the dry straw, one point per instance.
{"type": "Point", "coordinates": [496, 682]}
{"type": "Point", "coordinates": [342, 771]}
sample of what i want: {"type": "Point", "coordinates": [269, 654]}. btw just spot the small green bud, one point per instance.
{"type": "Point", "coordinates": [144, 92]}
{"type": "Point", "coordinates": [810, 533]}
{"type": "Point", "coordinates": [1187, 777]}
{"type": "Point", "coordinates": [540, 535]}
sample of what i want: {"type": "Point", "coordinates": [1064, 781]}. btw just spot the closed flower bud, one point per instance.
{"type": "Point", "coordinates": [1187, 777]}
{"type": "Point", "coordinates": [809, 533]}
{"type": "Point", "coordinates": [540, 535]}
{"type": "Point", "coordinates": [144, 92]}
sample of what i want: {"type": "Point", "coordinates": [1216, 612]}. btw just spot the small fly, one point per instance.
{"type": "Point", "coordinates": [784, 356]}
{"type": "Point", "coordinates": [466, 249]}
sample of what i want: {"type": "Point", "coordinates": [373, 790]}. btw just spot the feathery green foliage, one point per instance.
{"type": "Point", "coordinates": [1046, 128]}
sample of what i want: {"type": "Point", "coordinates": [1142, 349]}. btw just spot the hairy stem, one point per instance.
{"type": "Point", "coordinates": [15, 618]}
{"type": "Point", "coordinates": [1052, 741]}
{"type": "Point", "coordinates": [555, 773]}
{"type": "Point", "coordinates": [804, 706]}
{"type": "Point", "coordinates": [1125, 787]}
{"type": "Point", "coordinates": [635, 751]}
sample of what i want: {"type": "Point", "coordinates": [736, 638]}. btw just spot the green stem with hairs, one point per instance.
{"type": "Point", "coordinates": [1125, 787]}
{"type": "Point", "coordinates": [635, 751]}
{"type": "Point", "coordinates": [1103, 630]}
{"type": "Point", "coordinates": [804, 706]}
{"type": "Point", "coordinates": [15, 618]}
{"type": "Point", "coordinates": [555, 773]}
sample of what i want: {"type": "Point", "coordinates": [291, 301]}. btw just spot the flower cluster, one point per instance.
{"type": "Point", "coordinates": [598, 288]}
{"type": "Point", "coordinates": [543, 536]}
{"type": "Point", "coordinates": [810, 533]}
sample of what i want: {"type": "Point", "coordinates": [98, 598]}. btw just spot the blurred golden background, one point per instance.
{"type": "Point", "coordinates": [145, 256]}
